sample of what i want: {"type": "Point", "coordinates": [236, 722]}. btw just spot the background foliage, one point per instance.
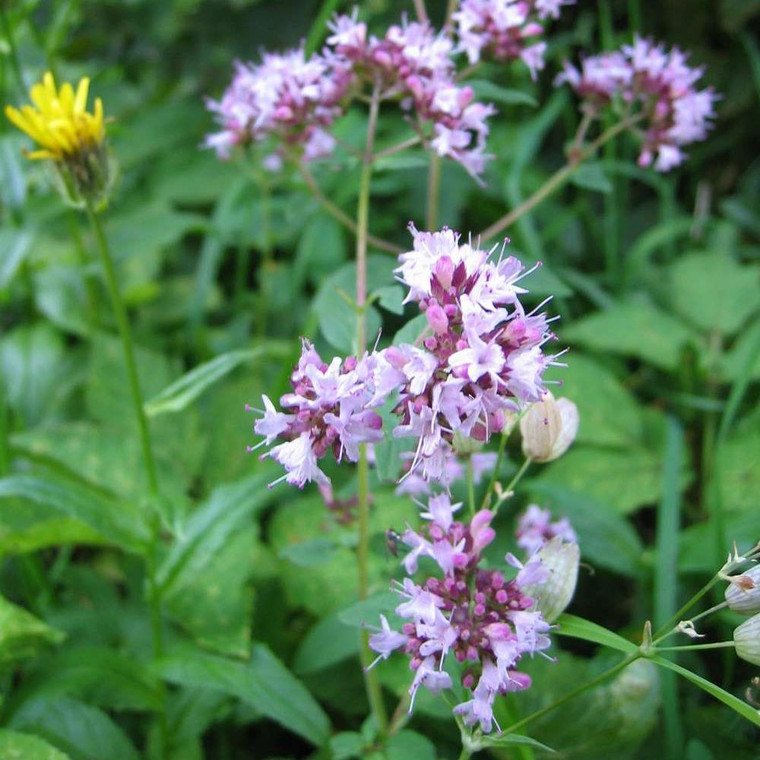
{"type": "Point", "coordinates": [656, 278]}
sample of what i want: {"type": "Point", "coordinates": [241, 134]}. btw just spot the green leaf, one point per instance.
{"type": "Point", "coordinates": [390, 297]}
{"type": "Point", "coordinates": [14, 243]}
{"type": "Point", "coordinates": [399, 161]}
{"type": "Point", "coordinates": [487, 90]}
{"type": "Point", "coordinates": [175, 397]}
{"type": "Point", "coordinates": [22, 635]}
{"type": "Point", "coordinates": [635, 328]}
{"type": "Point", "coordinates": [84, 732]}
{"type": "Point", "coordinates": [578, 628]}
{"type": "Point", "coordinates": [606, 538]}
{"type": "Point", "coordinates": [713, 291]}
{"type": "Point", "coordinates": [34, 365]}
{"type": "Point", "coordinates": [366, 612]}
{"type": "Point", "coordinates": [334, 303]}
{"type": "Point", "coordinates": [609, 413]}
{"type": "Point", "coordinates": [736, 704]}
{"type": "Point", "coordinates": [346, 745]}
{"type": "Point", "coordinates": [262, 683]}
{"type": "Point", "coordinates": [506, 740]}
{"type": "Point", "coordinates": [119, 522]}
{"type": "Point", "coordinates": [329, 642]}
{"type": "Point", "coordinates": [17, 746]}
{"type": "Point", "coordinates": [315, 551]}
{"type": "Point", "coordinates": [409, 744]}
{"type": "Point", "coordinates": [99, 676]}
{"type": "Point", "coordinates": [598, 472]}
{"type": "Point", "coordinates": [591, 176]}
{"type": "Point", "coordinates": [412, 330]}
{"type": "Point", "coordinates": [321, 249]}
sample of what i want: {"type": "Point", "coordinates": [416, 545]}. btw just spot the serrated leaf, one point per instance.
{"type": "Point", "coordinates": [713, 291]}
{"type": "Point", "coordinates": [637, 328]}
{"type": "Point", "coordinates": [182, 392]}
{"type": "Point", "coordinates": [263, 682]}
{"type": "Point", "coordinates": [22, 634]}
{"type": "Point", "coordinates": [15, 745]}
{"type": "Point", "coordinates": [117, 521]}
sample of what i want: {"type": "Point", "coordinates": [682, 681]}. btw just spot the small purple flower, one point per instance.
{"type": "Point", "coordinates": [535, 528]}
{"type": "Point", "coordinates": [660, 85]}
{"type": "Point", "coordinates": [485, 621]}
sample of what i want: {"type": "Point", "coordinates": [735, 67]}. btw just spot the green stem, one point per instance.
{"type": "Point", "coordinates": [125, 332]}
{"type": "Point", "coordinates": [512, 483]}
{"type": "Point", "coordinates": [675, 618]}
{"type": "Point", "coordinates": [371, 682]}
{"type": "Point", "coordinates": [83, 261]}
{"type": "Point", "coordinates": [574, 693]}
{"type": "Point", "coordinates": [340, 216]}
{"type": "Point", "coordinates": [557, 179]}
{"type": "Point", "coordinates": [686, 647]}
{"type": "Point", "coordinates": [470, 485]}
{"type": "Point", "coordinates": [694, 619]}
{"type": "Point", "coordinates": [433, 190]}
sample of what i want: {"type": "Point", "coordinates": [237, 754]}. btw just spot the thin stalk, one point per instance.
{"type": "Point", "coordinates": [665, 629]}
{"type": "Point", "coordinates": [125, 333]}
{"type": "Point", "coordinates": [676, 629]}
{"type": "Point", "coordinates": [495, 473]}
{"type": "Point", "coordinates": [557, 179]}
{"type": "Point", "coordinates": [685, 647]}
{"type": "Point", "coordinates": [465, 754]}
{"type": "Point", "coordinates": [83, 261]}
{"type": "Point", "coordinates": [470, 485]}
{"type": "Point", "coordinates": [512, 483]}
{"type": "Point", "coordinates": [371, 682]}
{"type": "Point", "coordinates": [398, 147]}
{"type": "Point", "coordinates": [433, 191]}
{"type": "Point", "coordinates": [341, 216]}
{"type": "Point", "coordinates": [419, 9]}
{"type": "Point", "coordinates": [601, 678]}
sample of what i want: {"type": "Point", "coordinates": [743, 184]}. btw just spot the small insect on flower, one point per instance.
{"type": "Point", "coordinates": [392, 540]}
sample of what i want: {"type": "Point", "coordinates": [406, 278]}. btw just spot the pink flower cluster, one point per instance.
{"type": "Point", "coordinates": [505, 29]}
{"type": "Point", "coordinates": [331, 410]}
{"type": "Point", "coordinates": [297, 100]}
{"type": "Point", "coordinates": [485, 621]}
{"type": "Point", "coordinates": [535, 528]}
{"type": "Point", "coordinates": [483, 357]}
{"type": "Point", "coordinates": [285, 96]}
{"type": "Point", "coordinates": [644, 75]}
{"type": "Point", "coordinates": [414, 64]}
{"type": "Point", "coordinates": [481, 360]}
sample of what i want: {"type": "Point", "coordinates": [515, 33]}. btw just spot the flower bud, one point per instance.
{"type": "Point", "coordinates": [548, 428]}
{"type": "Point", "coordinates": [747, 640]}
{"type": "Point", "coordinates": [553, 595]}
{"type": "Point", "coordinates": [743, 593]}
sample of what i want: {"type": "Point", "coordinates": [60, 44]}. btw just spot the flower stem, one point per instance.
{"type": "Point", "coordinates": [470, 485]}
{"type": "Point", "coordinates": [340, 216]}
{"type": "Point", "coordinates": [505, 494]}
{"type": "Point", "coordinates": [558, 178]}
{"type": "Point", "coordinates": [665, 630]}
{"type": "Point", "coordinates": [125, 333]}
{"type": "Point", "coordinates": [601, 678]}
{"type": "Point", "coordinates": [685, 647]}
{"type": "Point", "coordinates": [433, 188]}
{"type": "Point", "coordinates": [371, 682]}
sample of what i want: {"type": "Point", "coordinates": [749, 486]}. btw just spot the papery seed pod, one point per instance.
{"type": "Point", "coordinates": [743, 596]}
{"type": "Point", "coordinates": [747, 640]}
{"type": "Point", "coordinates": [548, 428]}
{"type": "Point", "coordinates": [562, 560]}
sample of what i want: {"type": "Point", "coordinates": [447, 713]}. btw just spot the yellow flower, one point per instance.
{"type": "Point", "coordinates": [59, 122]}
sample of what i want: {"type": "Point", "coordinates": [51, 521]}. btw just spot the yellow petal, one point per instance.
{"type": "Point", "coordinates": [80, 103]}
{"type": "Point", "coordinates": [38, 155]}
{"type": "Point", "coordinates": [66, 98]}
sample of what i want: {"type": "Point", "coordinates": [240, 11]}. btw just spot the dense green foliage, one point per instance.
{"type": "Point", "coordinates": [222, 266]}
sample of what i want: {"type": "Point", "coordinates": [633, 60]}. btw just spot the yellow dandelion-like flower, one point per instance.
{"type": "Point", "coordinates": [59, 121]}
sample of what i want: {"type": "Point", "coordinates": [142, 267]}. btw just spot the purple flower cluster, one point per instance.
{"type": "Point", "coordinates": [331, 410]}
{"type": "Point", "coordinates": [535, 528]}
{"type": "Point", "coordinates": [414, 64]}
{"type": "Point", "coordinates": [487, 623]}
{"type": "Point", "coordinates": [285, 96]}
{"type": "Point", "coordinates": [505, 29]}
{"type": "Point", "coordinates": [660, 83]}
{"type": "Point", "coordinates": [483, 358]}
{"type": "Point", "coordinates": [481, 361]}
{"type": "Point", "coordinates": [297, 100]}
